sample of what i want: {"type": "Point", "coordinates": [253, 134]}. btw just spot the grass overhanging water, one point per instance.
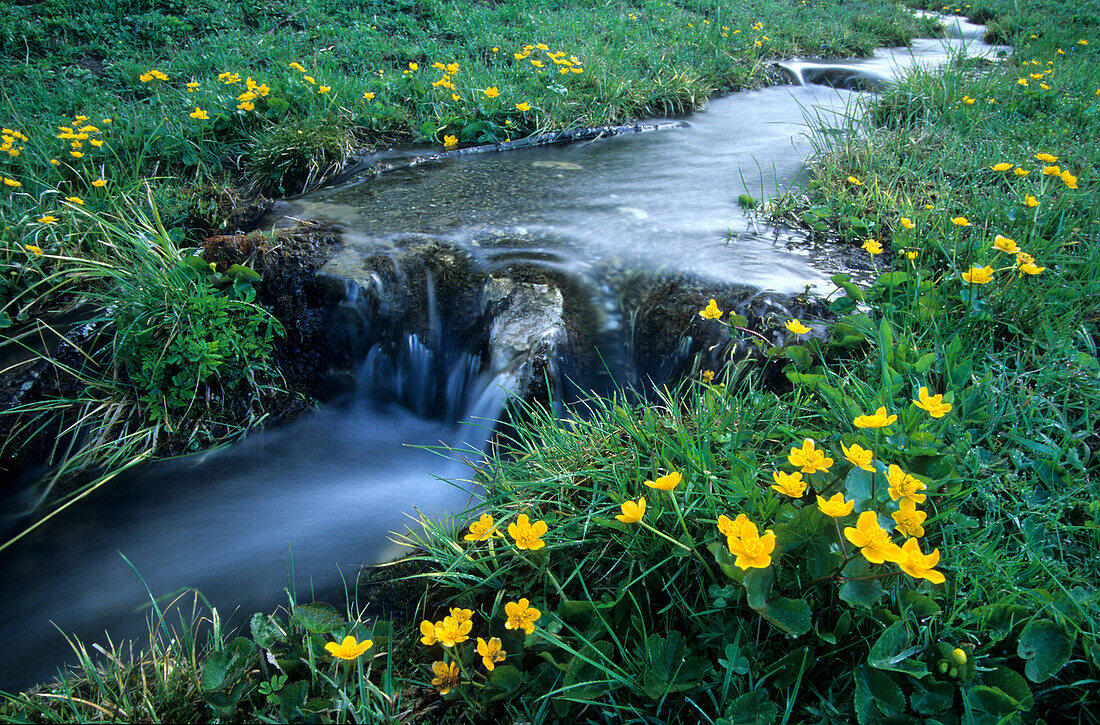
{"type": "Point", "coordinates": [908, 531]}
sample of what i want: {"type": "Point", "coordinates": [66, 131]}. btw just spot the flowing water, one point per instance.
{"type": "Point", "coordinates": [321, 495]}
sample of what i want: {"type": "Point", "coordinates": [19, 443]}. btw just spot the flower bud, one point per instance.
{"type": "Point", "coordinates": [958, 656]}
{"type": "Point", "coordinates": [953, 673]}
{"type": "Point", "coordinates": [942, 667]}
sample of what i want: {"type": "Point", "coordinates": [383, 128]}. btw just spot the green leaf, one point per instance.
{"type": "Point", "coordinates": [844, 282]}
{"type": "Point", "coordinates": [226, 666]}
{"type": "Point", "coordinates": [504, 681]}
{"type": "Point", "coordinates": [890, 280]}
{"type": "Point", "coordinates": [242, 273]}
{"type": "Point", "coordinates": [920, 604]}
{"type": "Point", "coordinates": [793, 616]}
{"type": "Point", "coordinates": [669, 668]}
{"type": "Point", "coordinates": [585, 676]}
{"type": "Point", "coordinates": [892, 652]}
{"type": "Point", "coordinates": [318, 617]}
{"type": "Point", "coordinates": [1045, 648]}
{"type": "Point", "coordinates": [932, 696]}
{"type": "Point", "coordinates": [752, 708]}
{"type": "Point", "coordinates": [758, 584]}
{"type": "Point", "coordinates": [266, 630]}
{"type": "Point", "coordinates": [876, 693]}
{"type": "Point", "coordinates": [1012, 684]}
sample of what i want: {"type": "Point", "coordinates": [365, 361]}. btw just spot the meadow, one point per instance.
{"type": "Point", "coordinates": [904, 530]}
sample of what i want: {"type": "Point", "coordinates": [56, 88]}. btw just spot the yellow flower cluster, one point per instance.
{"type": "Point", "coordinates": [80, 133]}
{"type": "Point", "coordinates": [572, 64]}
{"type": "Point", "coordinates": [10, 140]}
{"type": "Point", "coordinates": [152, 74]}
{"type": "Point", "coordinates": [527, 534]}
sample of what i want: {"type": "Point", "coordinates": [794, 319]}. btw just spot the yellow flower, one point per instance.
{"type": "Point", "coordinates": [192, 86]}
{"type": "Point", "coordinates": [521, 616]}
{"type": "Point", "coordinates": [879, 420]}
{"type": "Point", "coordinates": [789, 484]}
{"type": "Point", "coordinates": [1020, 172]}
{"type": "Point", "coordinates": [1025, 263]}
{"type": "Point", "coordinates": [1082, 41]}
{"type": "Point", "coordinates": [455, 97]}
{"type": "Point", "coordinates": [55, 162]}
{"type": "Point", "coordinates": [75, 200]}
{"type": "Point", "coordinates": [919, 565]}
{"type": "Point", "coordinates": [524, 106]}
{"type": "Point", "coordinates": [536, 63]}
{"type": "Point", "coordinates": [873, 247]}
{"type": "Point", "coordinates": [1069, 179]}
{"type": "Point", "coordinates": [76, 154]}
{"type": "Point", "coordinates": [1052, 170]}
{"type": "Point", "coordinates": [309, 79]}
{"type": "Point", "coordinates": [1004, 244]}
{"type": "Point", "coordinates": [428, 629]}
{"type": "Point", "coordinates": [1003, 166]}
{"type": "Point", "coordinates": [298, 67]}
{"type": "Point", "coordinates": [858, 456]}
{"type": "Point", "coordinates": [36, 251]}
{"type": "Point", "coordinates": [1036, 76]}
{"type": "Point", "coordinates": [1031, 201]}
{"type": "Point", "coordinates": [492, 92]}
{"type": "Point", "coordinates": [711, 312]}
{"type": "Point", "coordinates": [496, 49]}
{"type": "Point", "coordinates": [1046, 158]}
{"type": "Point", "coordinates": [246, 105]}
{"type": "Point", "coordinates": [911, 254]}
{"type": "Point", "coordinates": [752, 552]}
{"type": "Point", "coordinates": [349, 649]}
{"type": "Point", "coordinates": [873, 540]}
{"type": "Point", "coordinates": [978, 275]}
{"type": "Point", "coordinates": [481, 529]}
{"type": "Point", "coordinates": [1021, 81]}
{"type": "Point", "coordinates": [932, 403]}
{"type": "Point", "coordinates": [854, 180]}
{"type": "Point", "coordinates": [542, 46]}
{"type": "Point", "coordinates": [47, 219]}
{"type": "Point", "coordinates": [414, 66]}
{"type": "Point", "coordinates": [633, 511]}
{"type": "Point", "coordinates": [450, 141]}
{"type": "Point", "coordinates": [527, 535]}
{"type": "Point", "coordinates": [960, 221]}
{"type": "Point", "coordinates": [708, 376]}
{"type": "Point", "coordinates": [96, 142]}
{"type": "Point", "coordinates": [199, 114]}
{"type": "Point", "coordinates": [323, 89]}
{"type": "Point", "coordinates": [12, 183]}
{"type": "Point", "coordinates": [452, 631]}
{"type": "Point", "coordinates": [902, 485]}
{"type": "Point", "coordinates": [796, 327]}
{"type": "Point", "coordinates": [808, 458]}
{"type": "Point", "coordinates": [739, 528]}
{"type": "Point", "coordinates": [907, 222]}
{"type": "Point", "coordinates": [968, 100]}
{"type": "Point", "coordinates": [368, 96]}
{"type": "Point", "coordinates": [490, 652]}
{"type": "Point", "coordinates": [908, 519]}
{"type": "Point", "coordinates": [836, 506]}
{"type": "Point", "coordinates": [666, 483]}
{"type": "Point", "coordinates": [446, 676]}
{"type": "Point", "coordinates": [462, 615]}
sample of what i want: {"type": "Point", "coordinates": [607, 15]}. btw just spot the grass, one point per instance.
{"type": "Point", "coordinates": [679, 617]}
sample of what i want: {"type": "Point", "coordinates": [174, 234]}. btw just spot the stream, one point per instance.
{"type": "Point", "coordinates": [306, 504]}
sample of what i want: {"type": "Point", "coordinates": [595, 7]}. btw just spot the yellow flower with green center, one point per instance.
{"type": "Point", "coordinates": [835, 506]}
{"type": "Point", "coordinates": [873, 246]}
{"type": "Point", "coordinates": [902, 485]}
{"type": "Point", "coordinates": [879, 419]}
{"type": "Point", "coordinates": [873, 540]}
{"type": "Point", "coordinates": [491, 652]}
{"type": "Point", "coordinates": [909, 521]}
{"type": "Point", "coordinates": [481, 529]}
{"type": "Point", "coordinates": [789, 484]}
{"type": "Point", "coordinates": [933, 404]}
{"type": "Point", "coordinates": [711, 311]}
{"type": "Point", "coordinates": [1006, 245]}
{"type": "Point", "coordinates": [808, 458]}
{"type": "Point", "coordinates": [960, 221]}
{"type": "Point", "coordinates": [667, 482]}
{"type": "Point", "coordinates": [446, 676]}
{"type": "Point", "coordinates": [978, 275]}
{"type": "Point", "coordinates": [527, 535]}
{"type": "Point", "coordinates": [1003, 166]}
{"type": "Point", "coordinates": [632, 511]}
{"type": "Point", "coordinates": [919, 565]}
{"type": "Point", "coordinates": [751, 551]}
{"type": "Point", "coordinates": [349, 649]}
{"type": "Point", "coordinates": [907, 222]}
{"type": "Point", "coordinates": [858, 456]}
{"type": "Point", "coordinates": [796, 327]}
{"type": "Point", "coordinates": [520, 615]}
